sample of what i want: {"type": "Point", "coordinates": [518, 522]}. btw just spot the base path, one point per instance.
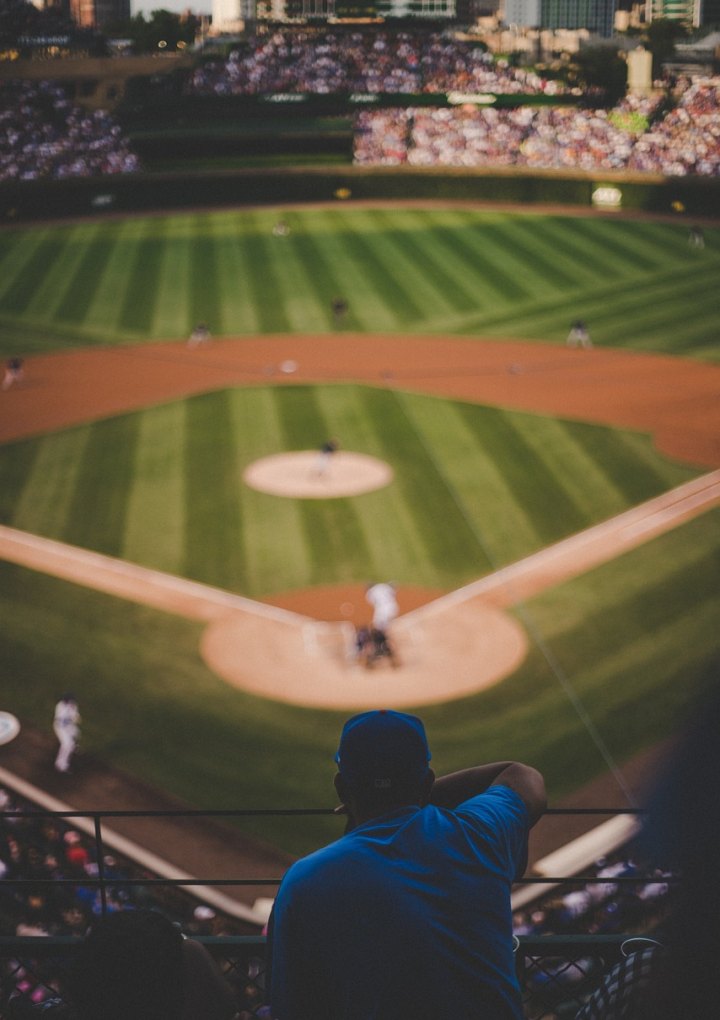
{"type": "Point", "coordinates": [674, 399]}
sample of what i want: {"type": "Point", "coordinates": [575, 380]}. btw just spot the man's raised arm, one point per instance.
{"type": "Point", "coordinates": [451, 790]}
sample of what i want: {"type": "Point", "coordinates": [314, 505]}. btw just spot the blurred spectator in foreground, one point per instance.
{"type": "Point", "coordinates": [681, 979]}
{"type": "Point", "coordinates": [136, 965]}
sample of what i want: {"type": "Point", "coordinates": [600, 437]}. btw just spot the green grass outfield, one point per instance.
{"type": "Point", "coordinates": [475, 488]}
{"type": "Point", "coordinates": [476, 273]}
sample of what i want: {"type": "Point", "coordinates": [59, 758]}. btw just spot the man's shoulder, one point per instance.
{"type": "Point", "coordinates": [319, 859]}
{"type": "Point", "coordinates": [497, 801]}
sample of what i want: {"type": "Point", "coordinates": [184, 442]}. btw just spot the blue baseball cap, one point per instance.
{"type": "Point", "coordinates": [383, 749]}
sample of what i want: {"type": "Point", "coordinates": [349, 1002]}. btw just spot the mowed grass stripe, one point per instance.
{"type": "Point", "coordinates": [646, 619]}
{"type": "Point", "coordinates": [46, 499]}
{"type": "Point", "coordinates": [293, 291]}
{"type": "Point", "coordinates": [23, 246]}
{"type": "Point", "coordinates": [509, 249]}
{"type": "Point", "coordinates": [263, 277]}
{"type": "Point", "coordinates": [380, 270]}
{"type": "Point", "coordinates": [41, 261]}
{"type": "Point", "coordinates": [602, 236]}
{"type": "Point", "coordinates": [137, 307]}
{"type": "Point", "coordinates": [668, 315]}
{"type": "Point", "coordinates": [502, 528]}
{"type": "Point", "coordinates": [533, 484]}
{"type": "Point", "coordinates": [588, 259]}
{"type": "Point", "coordinates": [611, 304]}
{"type": "Point", "coordinates": [452, 546]}
{"type": "Point", "coordinates": [50, 289]}
{"type": "Point", "coordinates": [106, 303]}
{"type": "Point", "coordinates": [17, 462]}
{"type": "Point", "coordinates": [632, 463]}
{"type": "Point", "coordinates": [310, 282]}
{"type": "Point", "coordinates": [495, 272]}
{"type": "Point", "coordinates": [648, 245]}
{"type": "Point", "coordinates": [204, 295]}
{"type": "Point", "coordinates": [414, 264]}
{"type": "Point", "coordinates": [369, 307]}
{"type": "Point", "coordinates": [275, 554]}
{"type": "Point", "coordinates": [332, 532]}
{"type": "Point", "coordinates": [237, 314]}
{"type": "Point", "coordinates": [562, 610]}
{"type": "Point", "coordinates": [698, 338]}
{"type": "Point", "coordinates": [95, 248]}
{"type": "Point", "coordinates": [669, 307]}
{"type": "Point", "coordinates": [97, 513]}
{"type": "Point", "coordinates": [155, 523]}
{"type": "Point", "coordinates": [10, 242]}
{"type": "Point", "coordinates": [579, 474]}
{"type": "Point", "coordinates": [646, 670]}
{"type": "Point", "coordinates": [213, 505]}
{"type": "Point", "coordinates": [558, 270]}
{"type": "Point", "coordinates": [427, 242]}
{"type": "Point", "coordinates": [395, 549]}
{"type": "Point", "coordinates": [328, 277]}
{"type": "Point", "coordinates": [172, 316]}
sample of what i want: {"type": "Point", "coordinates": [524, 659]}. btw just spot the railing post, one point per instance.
{"type": "Point", "coordinates": [100, 853]}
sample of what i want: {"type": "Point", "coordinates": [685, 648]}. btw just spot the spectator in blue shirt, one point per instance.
{"type": "Point", "coordinates": [408, 914]}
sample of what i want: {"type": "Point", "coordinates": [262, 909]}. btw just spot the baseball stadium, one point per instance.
{"type": "Point", "coordinates": [175, 551]}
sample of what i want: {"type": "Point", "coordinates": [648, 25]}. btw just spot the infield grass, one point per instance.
{"type": "Point", "coordinates": [475, 487]}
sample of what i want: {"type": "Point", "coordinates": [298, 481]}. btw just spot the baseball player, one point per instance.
{"type": "Point", "coordinates": [13, 372]}
{"type": "Point", "coordinates": [579, 335]}
{"type": "Point", "coordinates": [324, 457]}
{"type": "Point", "coordinates": [199, 336]}
{"type": "Point", "coordinates": [385, 605]}
{"type": "Point", "coordinates": [66, 724]}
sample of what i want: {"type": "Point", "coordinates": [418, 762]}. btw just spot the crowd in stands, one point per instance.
{"type": "Point", "coordinates": [331, 61]}
{"type": "Point", "coordinates": [603, 906]}
{"type": "Point", "coordinates": [34, 849]}
{"type": "Point", "coordinates": [686, 141]}
{"type": "Point", "coordinates": [43, 134]}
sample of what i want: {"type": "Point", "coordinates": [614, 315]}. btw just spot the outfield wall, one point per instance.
{"type": "Point", "coordinates": [698, 197]}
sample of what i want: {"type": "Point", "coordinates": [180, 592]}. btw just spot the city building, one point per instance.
{"type": "Point", "coordinates": [98, 13]}
{"type": "Point", "coordinates": [597, 16]}
{"type": "Point", "coordinates": [688, 11]}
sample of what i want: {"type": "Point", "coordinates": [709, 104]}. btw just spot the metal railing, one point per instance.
{"type": "Point", "coordinates": [102, 846]}
{"type": "Point", "coordinates": [556, 972]}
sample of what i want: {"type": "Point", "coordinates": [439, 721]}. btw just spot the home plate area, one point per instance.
{"type": "Point", "coordinates": [443, 652]}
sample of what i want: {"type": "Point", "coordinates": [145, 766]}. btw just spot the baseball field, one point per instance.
{"type": "Point", "coordinates": [450, 367]}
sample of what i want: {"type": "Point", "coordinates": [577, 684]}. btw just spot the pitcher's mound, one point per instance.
{"type": "Point", "coordinates": [303, 475]}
